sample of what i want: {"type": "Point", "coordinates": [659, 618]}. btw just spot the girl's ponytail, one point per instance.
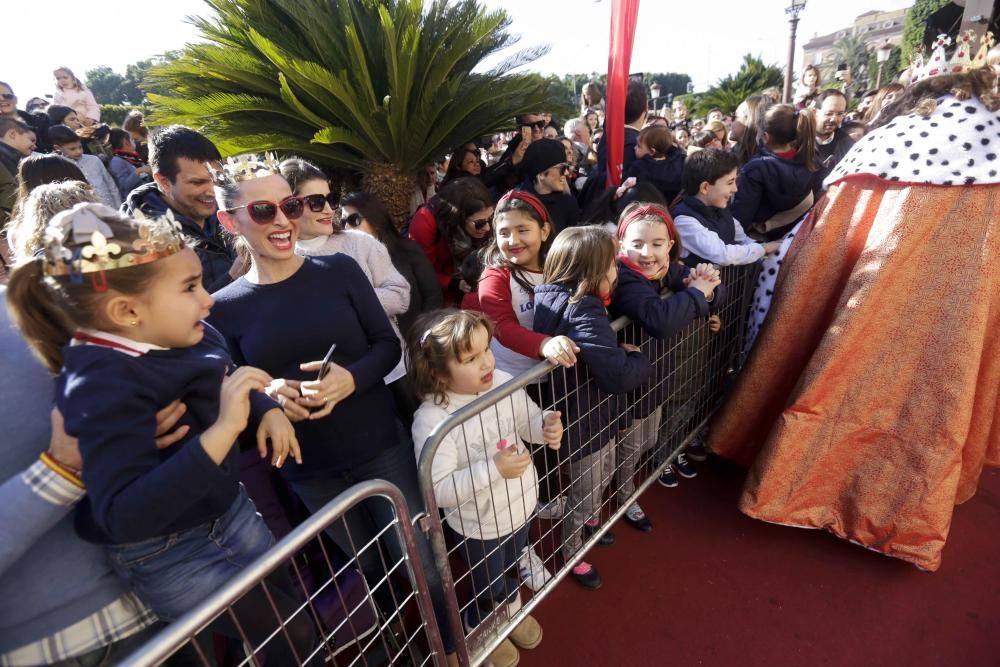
{"type": "Point", "coordinates": [33, 304]}
{"type": "Point", "coordinates": [805, 130]}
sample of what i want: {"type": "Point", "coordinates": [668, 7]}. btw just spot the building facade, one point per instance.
{"type": "Point", "coordinates": [874, 27]}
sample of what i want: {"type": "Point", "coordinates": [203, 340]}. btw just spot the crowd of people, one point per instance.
{"type": "Point", "coordinates": [202, 315]}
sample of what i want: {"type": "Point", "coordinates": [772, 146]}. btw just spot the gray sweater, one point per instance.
{"type": "Point", "coordinates": [49, 577]}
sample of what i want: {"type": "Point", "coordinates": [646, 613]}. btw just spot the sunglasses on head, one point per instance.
{"type": "Point", "coordinates": [263, 212]}
{"type": "Point", "coordinates": [316, 203]}
{"type": "Point", "coordinates": [352, 220]}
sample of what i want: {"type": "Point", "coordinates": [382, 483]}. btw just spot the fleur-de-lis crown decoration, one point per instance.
{"type": "Point", "coordinates": [961, 59]}
{"type": "Point", "coordinates": [245, 167]}
{"type": "Point", "coordinates": [80, 241]}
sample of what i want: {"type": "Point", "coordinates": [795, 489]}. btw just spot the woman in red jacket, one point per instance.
{"type": "Point", "coordinates": [454, 224]}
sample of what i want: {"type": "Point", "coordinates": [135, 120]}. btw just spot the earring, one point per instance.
{"type": "Point", "coordinates": [134, 323]}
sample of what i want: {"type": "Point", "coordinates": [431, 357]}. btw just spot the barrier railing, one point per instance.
{"type": "Point", "coordinates": [613, 448]}
{"type": "Point", "coordinates": [318, 607]}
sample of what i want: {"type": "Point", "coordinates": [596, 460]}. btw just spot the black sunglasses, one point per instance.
{"type": "Point", "coordinates": [316, 203]}
{"type": "Point", "coordinates": [352, 220]}
{"type": "Point", "coordinates": [263, 212]}
{"type": "Point", "coordinates": [481, 224]}
{"type": "Point", "coordinates": [538, 125]}
{"type": "Point", "coordinates": [8, 97]}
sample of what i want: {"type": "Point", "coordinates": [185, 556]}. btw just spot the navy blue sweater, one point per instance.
{"type": "Point", "coordinates": [276, 327]}
{"type": "Point", "coordinates": [109, 402]}
{"type": "Point", "coordinates": [655, 319]}
{"type": "Point", "coordinates": [589, 404]}
{"type": "Point", "coordinates": [664, 174]}
{"type": "Point", "coordinates": [769, 185]}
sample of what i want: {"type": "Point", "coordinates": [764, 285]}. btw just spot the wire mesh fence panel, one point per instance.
{"type": "Point", "coordinates": [308, 602]}
{"type": "Point", "coordinates": [503, 534]}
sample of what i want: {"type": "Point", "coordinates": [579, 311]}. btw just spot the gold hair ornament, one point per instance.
{"type": "Point", "coordinates": [245, 167]}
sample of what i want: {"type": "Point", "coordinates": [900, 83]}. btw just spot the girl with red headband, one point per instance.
{"type": "Point", "coordinates": [648, 267]}
{"type": "Point", "coordinates": [522, 234]}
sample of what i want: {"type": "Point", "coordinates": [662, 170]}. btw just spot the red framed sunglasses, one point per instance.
{"type": "Point", "coordinates": [263, 212]}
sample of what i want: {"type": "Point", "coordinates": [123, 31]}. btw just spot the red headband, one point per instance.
{"type": "Point", "coordinates": [646, 211]}
{"type": "Point", "coordinates": [529, 199]}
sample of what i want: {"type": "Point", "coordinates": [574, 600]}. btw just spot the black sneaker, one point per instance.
{"type": "Point", "coordinates": [667, 478]}
{"type": "Point", "coordinates": [636, 518]}
{"type": "Point", "coordinates": [586, 575]}
{"type": "Point", "coordinates": [607, 539]}
{"type": "Point", "coordinates": [697, 451]}
{"type": "Point", "coordinates": [684, 469]}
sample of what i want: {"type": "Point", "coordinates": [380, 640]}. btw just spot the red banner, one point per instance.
{"type": "Point", "coordinates": [623, 18]}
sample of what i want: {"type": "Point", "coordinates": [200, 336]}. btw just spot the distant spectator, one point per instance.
{"type": "Point", "coordinates": [809, 87]}
{"type": "Point", "coordinates": [658, 161]}
{"type": "Point", "coordinates": [464, 163]}
{"type": "Point", "coordinates": [832, 142]}
{"type": "Point", "coordinates": [37, 121]}
{"type": "Point", "coordinates": [591, 97]}
{"type": "Point", "coordinates": [134, 125]}
{"type": "Point", "coordinates": [545, 176]}
{"type": "Point", "coordinates": [71, 92]}
{"type": "Point", "coordinates": [66, 142]}
{"type": "Point", "coordinates": [17, 140]}
{"type": "Point", "coordinates": [126, 165]}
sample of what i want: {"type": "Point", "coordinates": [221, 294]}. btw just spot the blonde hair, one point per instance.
{"type": "Point", "coordinates": [579, 260]}
{"type": "Point", "coordinates": [437, 338]}
{"type": "Point", "coordinates": [26, 230]}
{"type": "Point", "coordinates": [77, 84]}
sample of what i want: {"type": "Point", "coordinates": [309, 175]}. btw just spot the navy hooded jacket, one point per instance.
{"type": "Point", "coordinates": [664, 174]}
{"type": "Point", "coordinates": [587, 393]}
{"type": "Point", "coordinates": [216, 255]}
{"type": "Point", "coordinates": [769, 185]}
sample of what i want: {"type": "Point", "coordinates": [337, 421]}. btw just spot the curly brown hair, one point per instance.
{"type": "Point", "coordinates": [438, 337]}
{"type": "Point", "coordinates": [921, 97]}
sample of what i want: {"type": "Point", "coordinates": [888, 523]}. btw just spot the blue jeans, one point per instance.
{"type": "Point", "coordinates": [493, 568]}
{"type": "Point", "coordinates": [369, 519]}
{"type": "Point", "coordinates": [175, 573]}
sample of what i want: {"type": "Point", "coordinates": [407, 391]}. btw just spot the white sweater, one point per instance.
{"type": "Point", "coordinates": [391, 288]}
{"type": "Point", "coordinates": [478, 502]}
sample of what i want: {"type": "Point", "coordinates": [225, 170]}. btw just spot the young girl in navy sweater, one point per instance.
{"type": "Point", "coordinates": [649, 248]}
{"type": "Point", "coordinates": [513, 267]}
{"type": "Point", "coordinates": [483, 476]}
{"type": "Point", "coordinates": [580, 274]}
{"type": "Point", "coordinates": [118, 306]}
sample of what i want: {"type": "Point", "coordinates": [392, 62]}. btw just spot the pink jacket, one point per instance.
{"type": "Point", "coordinates": [80, 101]}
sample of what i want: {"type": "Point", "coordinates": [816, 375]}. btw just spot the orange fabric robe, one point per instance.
{"type": "Point", "coordinates": [870, 401]}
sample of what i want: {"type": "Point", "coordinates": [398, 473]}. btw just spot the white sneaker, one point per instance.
{"type": "Point", "coordinates": [532, 569]}
{"type": "Point", "coordinates": [552, 510]}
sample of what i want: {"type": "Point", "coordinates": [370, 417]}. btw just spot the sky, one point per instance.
{"type": "Point", "coordinates": [705, 41]}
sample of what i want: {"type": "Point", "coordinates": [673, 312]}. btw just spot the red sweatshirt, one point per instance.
{"type": "Point", "coordinates": [512, 310]}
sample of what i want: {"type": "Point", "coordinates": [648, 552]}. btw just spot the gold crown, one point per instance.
{"type": "Point", "coordinates": [961, 60]}
{"type": "Point", "coordinates": [245, 167]}
{"type": "Point", "coordinates": [158, 238]}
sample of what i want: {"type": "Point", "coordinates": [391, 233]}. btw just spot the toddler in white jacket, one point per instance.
{"type": "Point", "coordinates": [483, 475]}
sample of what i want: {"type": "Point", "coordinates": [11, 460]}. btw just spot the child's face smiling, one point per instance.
{"type": "Point", "coordinates": [648, 246]}
{"type": "Point", "coordinates": [719, 193]}
{"type": "Point", "coordinates": [472, 372]}
{"type": "Point", "coordinates": [520, 238]}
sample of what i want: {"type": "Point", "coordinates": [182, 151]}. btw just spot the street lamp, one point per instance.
{"type": "Point", "coordinates": [654, 92]}
{"type": "Point", "coordinates": [881, 56]}
{"type": "Point", "coordinates": [793, 11]}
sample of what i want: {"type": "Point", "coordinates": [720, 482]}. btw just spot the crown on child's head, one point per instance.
{"type": "Point", "coordinates": [79, 241]}
{"type": "Point", "coordinates": [245, 167]}
{"type": "Point", "coordinates": [961, 59]}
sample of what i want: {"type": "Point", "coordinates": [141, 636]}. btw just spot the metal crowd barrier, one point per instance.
{"type": "Point", "coordinates": [694, 370]}
{"type": "Point", "coordinates": [334, 617]}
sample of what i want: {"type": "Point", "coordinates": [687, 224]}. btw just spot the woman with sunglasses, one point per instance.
{"type": "Point", "coordinates": [320, 234]}
{"type": "Point", "coordinates": [316, 325]}
{"type": "Point", "coordinates": [453, 225]}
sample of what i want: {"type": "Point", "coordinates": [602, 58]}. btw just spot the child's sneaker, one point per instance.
{"type": "Point", "coordinates": [697, 451]}
{"type": "Point", "coordinates": [635, 517]}
{"type": "Point", "coordinates": [667, 478]}
{"type": "Point", "coordinates": [527, 634]}
{"type": "Point", "coordinates": [586, 575]}
{"type": "Point", "coordinates": [532, 569]}
{"type": "Point", "coordinates": [684, 469]}
{"type": "Point", "coordinates": [505, 655]}
{"type": "Point", "coordinates": [552, 510]}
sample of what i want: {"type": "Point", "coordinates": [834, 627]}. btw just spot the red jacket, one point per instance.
{"type": "Point", "coordinates": [423, 230]}
{"type": "Point", "coordinates": [495, 299]}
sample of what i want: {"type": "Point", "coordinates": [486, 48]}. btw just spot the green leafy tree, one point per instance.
{"type": "Point", "coordinates": [891, 68]}
{"type": "Point", "coordinates": [915, 26]}
{"type": "Point", "coordinates": [105, 84]}
{"type": "Point", "coordinates": [752, 77]}
{"type": "Point", "coordinates": [379, 87]}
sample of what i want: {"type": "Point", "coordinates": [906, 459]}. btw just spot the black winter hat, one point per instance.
{"type": "Point", "coordinates": [541, 155]}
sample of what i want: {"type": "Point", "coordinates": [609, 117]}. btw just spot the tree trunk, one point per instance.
{"type": "Point", "coordinates": [393, 188]}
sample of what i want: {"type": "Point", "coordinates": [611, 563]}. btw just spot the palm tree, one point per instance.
{"type": "Point", "coordinates": [753, 77]}
{"type": "Point", "coordinates": [853, 50]}
{"type": "Point", "coordinates": [380, 87]}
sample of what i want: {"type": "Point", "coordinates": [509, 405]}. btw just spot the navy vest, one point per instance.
{"type": "Point", "coordinates": [717, 220]}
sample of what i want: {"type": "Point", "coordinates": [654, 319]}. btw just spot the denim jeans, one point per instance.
{"type": "Point", "coordinates": [493, 568]}
{"type": "Point", "coordinates": [175, 573]}
{"type": "Point", "coordinates": [369, 519]}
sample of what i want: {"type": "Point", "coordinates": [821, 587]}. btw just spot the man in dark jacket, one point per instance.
{"type": "Point", "coordinates": [182, 183]}
{"type": "Point", "coordinates": [503, 175]}
{"type": "Point", "coordinates": [832, 143]}
{"type": "Point", "coordinates": [544, 169]}
{"type": "Point", "coordinates": [635, 117]}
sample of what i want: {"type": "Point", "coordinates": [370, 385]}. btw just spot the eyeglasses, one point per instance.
{"type": "Point", "coordinates": [352, 220]}
{"type": "Point", "coordinates": [481, 224]}
{"type": "Point", "coordinates": [8, 97]}
{"type": "Point", "coordinates": [316, 203]}
{"type": "Point", "coordinates": [263, 212]}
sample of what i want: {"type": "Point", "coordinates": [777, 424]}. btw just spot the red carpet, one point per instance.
{"type": "Point", "coordinates": [710, 586]}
